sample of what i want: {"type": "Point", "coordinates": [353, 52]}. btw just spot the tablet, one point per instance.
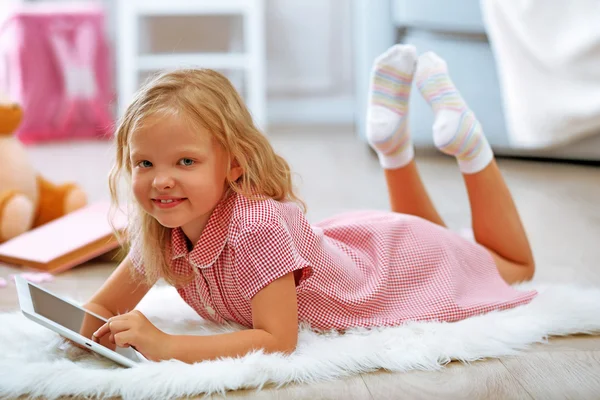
{"type": "Point", "coordinates": [69, 320]}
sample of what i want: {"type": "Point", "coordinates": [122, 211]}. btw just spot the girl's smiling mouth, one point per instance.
{"type": "Point", "coordinates": [168, 202]}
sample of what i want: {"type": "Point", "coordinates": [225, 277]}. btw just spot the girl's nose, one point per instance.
{"type": "Point", "coordinates": [163, 182]}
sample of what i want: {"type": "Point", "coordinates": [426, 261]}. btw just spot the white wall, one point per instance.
{"type": "Point", "coordinates": [310, 60]}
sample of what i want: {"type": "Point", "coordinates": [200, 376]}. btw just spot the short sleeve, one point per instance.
{"type": "Point", "coordinates": [264, 254]}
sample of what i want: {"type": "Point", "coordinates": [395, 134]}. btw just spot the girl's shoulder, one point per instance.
{"type": "Point", "coordinates": [251, 214]}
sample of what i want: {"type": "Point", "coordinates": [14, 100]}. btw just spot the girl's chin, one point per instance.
{"type": "Point", "coordinates": [168, 224]}
{"type": "Point", "coordinates": [170, 221]}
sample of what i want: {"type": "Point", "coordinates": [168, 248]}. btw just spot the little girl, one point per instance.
{"type": "Point", "coordinates": [216, 216]}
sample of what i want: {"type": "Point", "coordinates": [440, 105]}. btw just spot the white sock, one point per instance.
{"type": "Point", "coordinates": [456, 130]}
{"type": "Point", "coordinates": [387, 119]}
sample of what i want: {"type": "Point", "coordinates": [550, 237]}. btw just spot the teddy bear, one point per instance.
{"type": "Point", "coordinates": [27, 200]}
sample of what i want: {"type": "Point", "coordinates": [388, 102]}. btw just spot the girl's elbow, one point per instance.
{"type": "Point", "coordinates": [289, 348]}
{"type": "Point", "coordinates": [285, 346]}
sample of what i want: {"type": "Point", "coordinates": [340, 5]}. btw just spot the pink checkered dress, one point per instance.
{"type": "Point", "coordinates": [358, 269]}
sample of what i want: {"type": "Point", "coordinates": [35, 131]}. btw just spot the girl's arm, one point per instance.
{"type": "Point", "coordinates": [120, 293]}
{"type": "Point", "coordinates": [275, 328]}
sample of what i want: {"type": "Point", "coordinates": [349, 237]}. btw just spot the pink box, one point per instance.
{"type": "Point", "coordinates": [55, 62]}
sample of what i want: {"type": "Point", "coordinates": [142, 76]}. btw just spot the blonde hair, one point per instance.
{"type": "Point", "coordinates": [205, 98]}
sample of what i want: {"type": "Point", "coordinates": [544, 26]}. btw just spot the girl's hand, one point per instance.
{"type": "Point", "coordinates": [135, 330]}
{"type": "Point", "coordinates": [91, 324]}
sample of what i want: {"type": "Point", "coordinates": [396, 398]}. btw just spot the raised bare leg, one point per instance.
{"type": "Point", "coordinates": [388, 131]}
{"type": "Point", "coordinates": [496, 221]}
{"type": "Point", "coordinates": [497, 224]}
{"type": "Point", "coordinates": [408, 195]}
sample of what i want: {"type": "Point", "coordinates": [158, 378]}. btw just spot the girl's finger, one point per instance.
{"type": "Point", "coordinates": [103, 330]}
{"type": "Point", "coordinates": [122, 339]}
{"type": "Point", "coordinates": [119, 325]}
{"type": "Point", "coordinates": [112, 326]}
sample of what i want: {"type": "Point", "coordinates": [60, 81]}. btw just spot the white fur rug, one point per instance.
{"type": "Point", "coordinates": [33, 362]}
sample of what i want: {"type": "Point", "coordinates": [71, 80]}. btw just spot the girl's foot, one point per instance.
{"type": "Point", "coordinates": [456, 130]}
{"type": "Point", "coordinates": [387, 119]}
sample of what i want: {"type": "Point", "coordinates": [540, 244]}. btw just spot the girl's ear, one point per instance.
{"type": "Point", "coordinates": [235, 171]}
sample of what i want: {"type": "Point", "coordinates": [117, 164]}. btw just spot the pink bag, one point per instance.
{"type": "Point", "coordinates": [55, 62]}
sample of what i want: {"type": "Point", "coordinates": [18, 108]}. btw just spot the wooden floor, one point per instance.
{"type": "Point", "coordinates": [560, 207]}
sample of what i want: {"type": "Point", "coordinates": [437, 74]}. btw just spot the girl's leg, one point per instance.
{"type": "Point", "coordinates": [388, 133]}
{"type": "Point", "coordinates": [408, 195]}
{"type": "Point", "coordinates": [496, 221]}
{"type": "Point", "coordinates": [497, 225]}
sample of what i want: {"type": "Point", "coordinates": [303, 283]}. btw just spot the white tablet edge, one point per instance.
{"type": "Point", "coordinates": [28, 310]}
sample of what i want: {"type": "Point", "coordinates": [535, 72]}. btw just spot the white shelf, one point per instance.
{"type": "Point", "coordinates": [187, 7]}
{"type": "Point", "coordinates": [151, 62]}
{"type": "Point", "coordinates": [130, 14]}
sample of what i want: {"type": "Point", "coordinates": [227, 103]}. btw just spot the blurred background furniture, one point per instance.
{"type": "Point", "coordinates": [547, 58]}
{"type": "Point", "coordinates": [308, 52]}
{"type": "Point", "coordinates": [248, 56]}
{"type": "Point", "coordinates": [56, 63]}
{"type": "Point", "coordinates": [456, 30]}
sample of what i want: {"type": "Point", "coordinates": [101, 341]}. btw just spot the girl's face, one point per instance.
{"type": "Point", "coordinates": [178, 174]}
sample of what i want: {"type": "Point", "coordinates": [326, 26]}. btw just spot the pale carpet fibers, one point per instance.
{"type": "Point", "coordinates": [35, 363]}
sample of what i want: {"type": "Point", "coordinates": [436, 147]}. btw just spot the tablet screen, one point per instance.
{"type": "Point", "coordinates": [69, 316]}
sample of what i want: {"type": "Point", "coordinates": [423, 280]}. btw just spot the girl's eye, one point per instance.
{"type": "Point", "coordinates": [186, 162]}
{"type": "Point", "coordinates": [145, 164]}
